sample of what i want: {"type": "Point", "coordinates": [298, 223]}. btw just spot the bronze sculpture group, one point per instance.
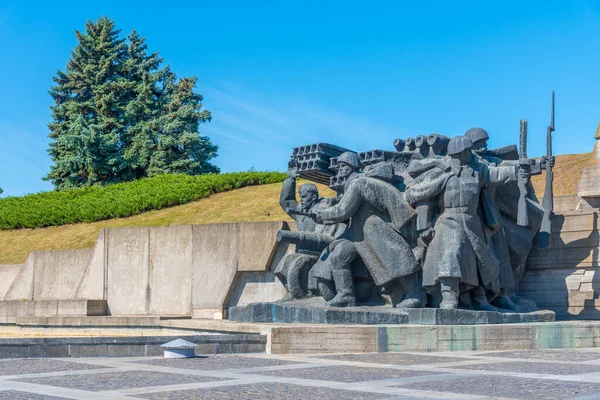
{"type": "Point", "coordinates": [438, 222]}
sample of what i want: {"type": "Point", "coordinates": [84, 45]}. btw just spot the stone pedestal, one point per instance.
{"type": "Point", "coordinates": [314, 311]}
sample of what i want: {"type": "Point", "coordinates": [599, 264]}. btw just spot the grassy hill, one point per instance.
{"type": "Point", "coordinates": [567, 171]}
{"type": "Point", "coordinates": [248, 204]}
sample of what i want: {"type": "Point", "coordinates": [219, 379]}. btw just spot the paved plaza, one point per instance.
{"type": "Point", "coordinates": [527, 374]}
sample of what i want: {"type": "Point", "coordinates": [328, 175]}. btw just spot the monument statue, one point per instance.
{"type": "Point", "coordinates": [377, 213]}
{"type": "Point", "coordinates": [294, 269]}
{"type": "Point", "coordinates": [435, 231]}
{"type": "Point", "coordinates": [430, 218]}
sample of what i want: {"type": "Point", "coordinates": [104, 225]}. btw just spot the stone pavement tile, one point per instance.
{"type": "Point", "coordinates": [118, 380]}
{"type": "Point", "coordinates": [266, 391]}
{"type": "Point", "coordinates": [510, 387]}
{"type": "Point", "coordinates": [16, 395]}
{"type": "Point", "coordinates": [393, 358]}
{"type": "Point", "coordinates": [534, 367]}
{"type": "Point", "coordinates": [553, 355]}
{"type": "Point", "coordinates": [40, 365]}
{"type": "Point", "coordinates": [217, 362]}
{"type": "Point", "coordinates": [343, 373]}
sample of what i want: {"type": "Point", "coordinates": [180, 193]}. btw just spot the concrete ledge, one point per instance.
{"type": "Point", "coordinates": [136, 346]}
{"type": "Point", "coordinates": [314, 311]}
{"type": "Point", "coordinates": [10, 310]}
{"type": "Point", "coordinates": [282, 312]}
{"type": "Point", "coordinates": [88, 321]}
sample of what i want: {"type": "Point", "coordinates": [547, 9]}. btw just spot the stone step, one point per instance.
{"type": "Point", "coordinates": [127, 346]}
{"type": "Point", "coordinates": [91, 321]}
{"type": "Point", "coordinates": [10, 310]}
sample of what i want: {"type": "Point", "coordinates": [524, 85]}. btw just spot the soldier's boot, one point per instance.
{"type": "Point", "coordinates": [345, 289]}
{"type": "Point", "coordinates": [480, 301]}
{"type": "Point", "coordinates": [415, 297]}
{"type": "Point", "coordinates": [464, 301]}
{"type": "Point", "coordinates": [504, 301]}
{"type": "Point", "coordinates": [449, 290]}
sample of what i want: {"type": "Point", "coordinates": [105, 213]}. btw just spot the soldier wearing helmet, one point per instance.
{"type": "Point", "coordinates": [377, 214]}
{"type": "Point", "coordinates": [348, 165]}
{"type": "Point", "coordinates": [504, 202]}
{"type": "Point", "coordinates": [459, 264]}
{"type": "Point", "coordinates": [479, 137]}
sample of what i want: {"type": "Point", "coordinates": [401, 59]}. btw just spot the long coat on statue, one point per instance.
{"type": "Point", "coordinates": [377, 213]}
{"type": "Point", "coordinates": [459, 248]}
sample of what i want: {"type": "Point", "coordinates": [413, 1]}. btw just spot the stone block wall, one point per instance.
{"type": "Point", "coordinates": [565, 277]}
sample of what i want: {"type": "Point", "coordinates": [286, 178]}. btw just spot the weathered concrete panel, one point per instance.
{"type": "Point", "coordinates": [214, 268]}
{"type": "Point", "coordinates": [57, 274]}
{"type": "Point", "coordinates": [127, 272]}
{"type": "Point", "coordinates": [93, 283]}
{"type": "Point", "coordinates": [258, 287]}
{"type": "Point", "coordinates": [220, 251]}
{"type": "Point", "coordinates": [170, 270]}
{"type": "Point", "coordinates": [8, 273]}
{"type": "Point", "coordinates": [565, 203]}
{"type": "Point", "coordinates": [255, 244]}
{"type": "Point", "coordinates": [22, 286]}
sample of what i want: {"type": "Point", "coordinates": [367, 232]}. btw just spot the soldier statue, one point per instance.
{"type": "Point", "coordinates": [512, 242]}
{"type": "Point", "coordinates": [459, 263]}
{"type": "Point", "coordinates": [294, 269]}
{"type": "Point", "coordinates": [377, 214]}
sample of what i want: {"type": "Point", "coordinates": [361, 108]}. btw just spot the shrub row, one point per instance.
{"type": "Point", "coordinates": [121, 200]}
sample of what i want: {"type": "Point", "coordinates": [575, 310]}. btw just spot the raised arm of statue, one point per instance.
{"type": "Point", "coordinates": [346, 208]}
{"type": "Point", "coordinates": [498, 176]}
{"type": "Point", "coordinates": [287, 197]}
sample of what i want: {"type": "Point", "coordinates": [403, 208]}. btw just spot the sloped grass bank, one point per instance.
{"type": "Point", "coordinates": [249, 204]}
{"type": "Point", "coordinates": [121, 200]}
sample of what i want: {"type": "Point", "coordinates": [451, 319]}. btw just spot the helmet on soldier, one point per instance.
{"type": "Point", "coordinates": [476, 134]}
{"type": "Point", "coordinates": [350, 158]}
{"type": "Point", "coordinates": [459, 144]}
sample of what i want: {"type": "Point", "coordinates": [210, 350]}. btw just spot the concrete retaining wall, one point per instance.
{"type": "Point", "coordinates": [174, 270]}
{"type": "Point", "coordinates": [50, 275]}
{"type": "Point", "coordinates": [565, 204]}
{"type": "Point", "coordinates": [564, 278]}
{"type": "Point", "coordinates": [8, 273]}
{"type": "Point", "coordinates": [247, 255]}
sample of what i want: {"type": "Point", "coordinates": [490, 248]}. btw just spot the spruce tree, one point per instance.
{"type": "Point", "coordinates": [142, 73]}
{"type": "Point", "coordinates": [118, 116]}
{"type": "Point", "coordinates": [179, 148]}
{"type": "Point", "coordinates": [88, 110]}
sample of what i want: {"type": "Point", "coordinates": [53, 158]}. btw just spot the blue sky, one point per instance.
{"type": "Point", "coordinates": [279, 74]}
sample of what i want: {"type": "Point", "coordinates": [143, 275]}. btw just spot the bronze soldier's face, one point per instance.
{"type": "Point", "coordinates": [344, 170]}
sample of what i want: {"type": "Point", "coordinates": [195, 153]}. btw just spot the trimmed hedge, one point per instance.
{"type": "Point", "coordinates": [121, 200]}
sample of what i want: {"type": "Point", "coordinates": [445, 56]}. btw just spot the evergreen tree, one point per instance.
{"type": "Point", "coordinates": [88, 110]}
{"type": "Point", "coordinates": [143, 108]}
{"type": "Point", "coordinates": [117, 116]}
{"type": "Point", "coordinates": [179, 148]}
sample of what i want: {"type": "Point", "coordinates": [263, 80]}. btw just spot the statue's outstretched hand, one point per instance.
{"type": "Point", "coordinates": [292, 172]}
{"type": "Point", "coordinates": [317, 216]}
